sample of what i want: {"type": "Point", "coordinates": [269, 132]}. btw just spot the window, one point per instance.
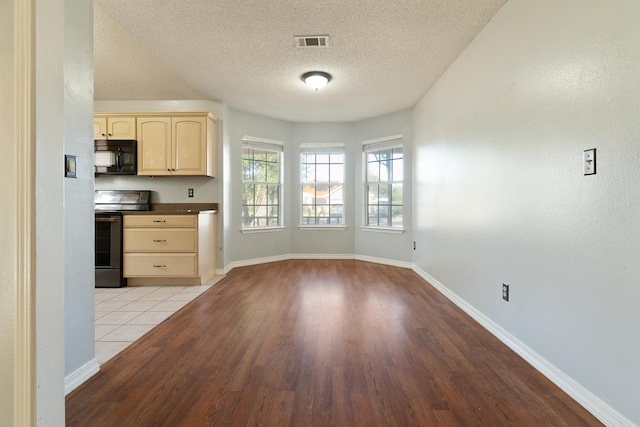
{"type": "Point", "coordinates": [384, 170]}
{"type": "Point", "coordinates": [261, 183]}
{"type": "Point", "coordinates": [321, 178]}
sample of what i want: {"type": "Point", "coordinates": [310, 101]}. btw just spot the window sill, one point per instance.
{"type": "Point", "coordinates": [322, 227]}
{"type": "Point", "coordinates": [261, 230]}
{"type": "Point", "coordinates": [388, 230]}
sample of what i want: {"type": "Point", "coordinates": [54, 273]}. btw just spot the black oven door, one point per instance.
{"type": "Point", "coordinates": [108, 250]}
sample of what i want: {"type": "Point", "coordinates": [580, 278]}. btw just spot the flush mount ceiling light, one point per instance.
{"type": "Point", "coordinates": [316, 79]}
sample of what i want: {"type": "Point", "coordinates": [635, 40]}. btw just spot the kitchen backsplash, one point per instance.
{"type": "Point", "coordinates": [164, 189]}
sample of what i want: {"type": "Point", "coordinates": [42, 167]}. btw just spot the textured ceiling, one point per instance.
{"type": "Point", "coordinates": [384, 55]}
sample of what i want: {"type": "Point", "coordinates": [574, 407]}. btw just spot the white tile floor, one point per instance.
{"type": "Point", "coordinates": [125, 314]}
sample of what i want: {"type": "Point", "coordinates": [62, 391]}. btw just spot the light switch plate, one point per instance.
{"type": "Point", "coordinates": [589, 161]}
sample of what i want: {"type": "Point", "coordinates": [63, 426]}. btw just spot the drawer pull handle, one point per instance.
{"type": "Point", "coordinates": [159, 220]}
{"type": "Point", "coordinates": [159, 240]}
{"type": "Point", "coordinates": [159, 266]}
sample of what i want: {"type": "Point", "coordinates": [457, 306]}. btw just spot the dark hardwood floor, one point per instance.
{"type": "Point", "coordinates": [320, 343]}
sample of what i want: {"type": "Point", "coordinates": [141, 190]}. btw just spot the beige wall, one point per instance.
{"type": "Point", "coordinates": [7, 213]}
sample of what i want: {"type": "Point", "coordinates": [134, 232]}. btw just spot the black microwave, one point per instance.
{"type": "Point", "coordinates": [115, 157]}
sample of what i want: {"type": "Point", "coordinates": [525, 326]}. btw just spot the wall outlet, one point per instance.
{"type": "Point", "coordinates": [191, 192]}
{"type": "Point", "coordinates": [505, 292]}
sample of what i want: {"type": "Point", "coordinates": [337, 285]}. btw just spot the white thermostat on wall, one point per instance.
{"type": "Point", "coordinates": [589, 161]}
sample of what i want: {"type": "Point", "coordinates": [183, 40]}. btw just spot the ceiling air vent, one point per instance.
{"type": "Point", "coordinates": [312, 41]}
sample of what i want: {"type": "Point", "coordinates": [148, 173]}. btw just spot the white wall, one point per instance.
{"type": "Point", "coordinates": [50, 221]}
{"type": "Point", "coordinates": [375, 244]}
{"type": "Point", "coordinates": [239, 246]}
{"type": "Point", "coordinates": [78, 202]}
{"type": "Point", "coordinates": [500, 196]}
{"type": "Point", "coordinates": [327, 241]}
{"type": "Point", "coordinates": [224, 212]}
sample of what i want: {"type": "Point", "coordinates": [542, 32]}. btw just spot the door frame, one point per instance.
{"type": "Point", "coordinates": [24, 386]}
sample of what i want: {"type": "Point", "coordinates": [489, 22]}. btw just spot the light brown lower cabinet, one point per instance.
{"type": "Point", "coordinates": [169, 249]}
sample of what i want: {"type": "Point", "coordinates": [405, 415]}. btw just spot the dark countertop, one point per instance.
{"type": "Point", "coordinates": [177, 209]}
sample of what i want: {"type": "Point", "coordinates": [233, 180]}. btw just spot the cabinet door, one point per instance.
{"type": "Point", "coordinates": [121, 128]}
{"type": "Point", "coordinates": [189, 145]}
{"type": "Point", "coordinates": [154, 146]}
{"type": "Point", "coordinates": [99, 128]}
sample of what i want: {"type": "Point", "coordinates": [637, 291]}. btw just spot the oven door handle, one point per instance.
{"type": "Point", "coordinates": [106, 219]}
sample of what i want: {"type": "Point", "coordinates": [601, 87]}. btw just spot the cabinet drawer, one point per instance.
{"type": "Point", "coordinates": [160, 240]}
{"type": "Point", "coordinates": [154, 265]}
{"type": "Point", "coordinates": [160, 221]}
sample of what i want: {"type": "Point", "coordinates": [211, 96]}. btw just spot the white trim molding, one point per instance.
{"type": "Point", "coordinates": [261, 230]}
{"type": "Point", "coordinates": [383, 139]}
{"type": "Point", "coordinates": [25, 349]}
{"type": "Point", "coordinates": [255, 261]}
{"type": "Point", "coordinates": [322, 227]}
{"type": "Point", "coordinates": [80, 375]}
{"type": "Point", "coordinates": [576, 391]}
{"type": "Point", "coordinates": [385, 261]}
{"type": "Point", "coordinates": [321, 256]}
{"type": "Point", "coordinates": [262, 140]}
{"type": "Point", "coordinates": [388, 230]}
{"type": "Point", "coordinates": [312, 145]}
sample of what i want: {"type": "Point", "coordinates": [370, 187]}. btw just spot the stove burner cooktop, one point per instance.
{"type": "Point", "coordinates": [122, 200]}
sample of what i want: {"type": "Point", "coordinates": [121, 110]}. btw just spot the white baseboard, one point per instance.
{"type": "Point", "coordinates": [286, 257]}
{"type": "Point", "coordinates": [385, 261]}
{"type": "Point", "coordinates": [600, 409]}
{"type": "Point", "coordinates": [80, 375]}
{"type": "Point", "coordinates": [255, 261]}
{"type": "Point", "coordinates": [321, 256]}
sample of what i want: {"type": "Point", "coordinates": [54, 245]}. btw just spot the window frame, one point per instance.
{"type": "Point", "coordinates": [382, 144]}
{"type": "Point", "coordinates": [322, 149]}
{"type": "Point", "coordinates": [268, 146]}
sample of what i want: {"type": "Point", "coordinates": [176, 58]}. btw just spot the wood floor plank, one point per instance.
{"type": "Point", "coordinates": [320, 343]}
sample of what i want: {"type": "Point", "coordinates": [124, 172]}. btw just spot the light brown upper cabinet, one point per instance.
{"type": "Point", "coordinates": [177, 145]}
{"type": "Point", "coordinates": [105, 127]}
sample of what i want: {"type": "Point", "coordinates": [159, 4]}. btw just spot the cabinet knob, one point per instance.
{"type": "Point", "coordinates": [110, 135]}
{"type": "Point", "coordinates": [159, 266]}
{"type": "Point", "coordinates": [159, 241]}
{"type": "Point", "coordinates": [102, 134]}
{"type": "Point", "coordinates": [159, 220]}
